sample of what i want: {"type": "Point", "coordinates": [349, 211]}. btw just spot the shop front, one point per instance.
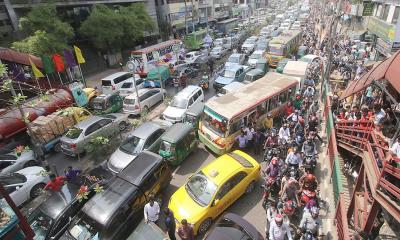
{"type": "Point", "coordinates": [387, 37]}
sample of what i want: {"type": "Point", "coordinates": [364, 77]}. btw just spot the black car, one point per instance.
{"type": "Point", "coordinates": [51, 218]}
{"type": "Point", "coordinates": [110, 214]}
{"type": "Point", "coordinates": [190, 72]}
{"type": "Point", "coordinates": [233, 227]}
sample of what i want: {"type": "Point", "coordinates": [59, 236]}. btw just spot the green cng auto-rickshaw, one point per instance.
{"type": "Point", "coordinates": [106, 103]}
{"type": "Point", "coordinates": [193, 116]}
{"type": "Point", "coordinates": [177, 143]}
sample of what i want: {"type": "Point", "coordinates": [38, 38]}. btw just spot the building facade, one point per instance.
{"type": "Point", "coordinates": [6, 26]}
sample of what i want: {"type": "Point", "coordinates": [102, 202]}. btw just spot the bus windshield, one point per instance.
{"type": "Point", "coordinates": [276, 50]}
{"type": "Point", "coordinates": [214, 125]}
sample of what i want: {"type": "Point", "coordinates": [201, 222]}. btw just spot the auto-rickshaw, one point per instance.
{"type": "Point", "coordinates": [193, 116]}
{"type": "Point", "coordinates": [106, 103]}
{"type": "Point", "coordinates": [177, 143]}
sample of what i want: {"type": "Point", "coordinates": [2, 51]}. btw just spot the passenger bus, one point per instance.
{"type": "Point", "coordinates": [282, 46]}
{"type": "Point", "coordinates": [224, 116]}
{"type": "Point", "coordinates": [195, 40]}
{"type": "Point", "coordinates": [144, 60]}
{"type": "Point", "coordinates": [227, 25]}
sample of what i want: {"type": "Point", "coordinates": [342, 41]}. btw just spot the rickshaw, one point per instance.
{"type": "Point", "coordinates": [193, 116]}
{"type": "Point", "coordinates": [177, 143]}
{"type": "Point", "coordinates": [106, 103]}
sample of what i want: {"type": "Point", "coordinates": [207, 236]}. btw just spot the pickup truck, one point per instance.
{"type": "Point", "coordinates": [234, 73]}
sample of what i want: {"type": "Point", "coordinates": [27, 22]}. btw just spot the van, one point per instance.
{"type": "Point", "coordinates": [186, 98]}
{"type": "Point", "coordinates": [110, 213]}
{"type": "Point", "coordinates": [113, 83]}
{"type": "Point", "coordinates": [229, 88]}
{"type": "Point", "coordinates": [148, 98]}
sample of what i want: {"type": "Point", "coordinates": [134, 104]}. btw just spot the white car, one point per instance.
{"type": "Point", "coordinates": [11, 162]}
{"type": "Point", "coordinates": [249, 45]}
{"type": "Point", "coordinates": [255, 57]}
{"type": "Point", "coordinates": [148, 98]}
{"type": "Point", "coordinates": [191, 57]}
{"type": "Point", "coordinates": [235, 58]}
{"type": "Point", "coordinates": [24, 184]}
{"type": "Point", "coordinates": [218, 52]}
{"type": "Point", "coordinates": [128, 87]}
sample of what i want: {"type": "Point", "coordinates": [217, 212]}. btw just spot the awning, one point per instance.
{"type": "Point", "coordinates": [388, 69]}
{"type": "Point", "coordinates": [10, 55]}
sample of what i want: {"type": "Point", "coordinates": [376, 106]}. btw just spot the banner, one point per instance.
{"type": "Point", "coordinates": [48, 64]}
{"type": "Point", "coordinates": [69, 58]}
{"type": "Point", "coordinates": [58, 63]}
{"type": "Point", "coordinates": [79, 56]}
{"type": "Point", "coordinates": [36, 71]}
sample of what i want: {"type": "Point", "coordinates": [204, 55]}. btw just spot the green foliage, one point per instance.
{"type": "Point", "coordinates": [45, 31]}
{"type": "Point", "coordinates": [3, 69]}
{"type": "Point", "coordinates": [124, 26]}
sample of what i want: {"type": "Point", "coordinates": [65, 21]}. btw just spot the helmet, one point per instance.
{"type": "Point", "coordinates": [269, 115]}
{"type": "Point", "coordinates": [274, 161]}
{"type": "Point", "coordinates": [278, 218]}
{"type": "Point", "coordinates": [310, 177]}
{"type": "Point", "coordinates": [301, 120]}
{"type": "Point", "coordinates": [314, 211]}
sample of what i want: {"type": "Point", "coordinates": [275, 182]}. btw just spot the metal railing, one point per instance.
{"type": "Point", "coordinates": [341, 223]}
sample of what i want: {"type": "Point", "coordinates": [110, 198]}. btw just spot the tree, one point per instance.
{"type": "Point", "coordinates": [124, 26]}
{"type": "Point", "coordinates": [46, 32]}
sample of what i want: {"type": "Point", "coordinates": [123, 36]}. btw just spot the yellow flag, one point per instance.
{"type": "Point", "coordinates": [79, 56]}
{"type": "Point", "coordinates": [36, 71]}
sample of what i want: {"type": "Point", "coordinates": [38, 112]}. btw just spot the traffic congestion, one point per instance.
{"type": "Point", "coordinates": [214, 139]}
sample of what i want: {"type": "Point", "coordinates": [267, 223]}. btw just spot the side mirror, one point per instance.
{"type": "Point", "coordinates": [215, 202]}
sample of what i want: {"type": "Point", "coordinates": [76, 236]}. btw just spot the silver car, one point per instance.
{"type": "Point", "coordinates": [11, 162]}
{"type": "Point", "coordinates": [218, 52]}
{"type": "Point", "coordinates": [77, 140]}
{"type": "Point", "coordinates": [145, 137]}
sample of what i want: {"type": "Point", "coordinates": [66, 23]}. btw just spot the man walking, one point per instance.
{"type": "Point", "coordinates": [151, 211]}
{"type": "Point", "coordinates": [185, 231]}
{"type": "Point", "coordinates": [170, 223]}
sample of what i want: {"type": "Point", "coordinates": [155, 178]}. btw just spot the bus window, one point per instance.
{"type": "Point", "coordinates": [234, 127]}
{"type": "Point", "coordinates": [282, 97]}
{"type": "Point", "coordinates": [273, 103]}
{"type": "Point", "coordinates": [292, 93]}
{"type": "Point", "coordinates": [216, 126]}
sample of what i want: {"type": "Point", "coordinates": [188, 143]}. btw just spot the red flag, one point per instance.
{"type": "Point", "coordinates": [58, 63]}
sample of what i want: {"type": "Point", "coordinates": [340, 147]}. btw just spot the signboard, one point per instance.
{"type": "Point", "coordinates": [383, 47]}
{"type": "Point", "coordinates": [382, 29]}
{"type": "Point", "coordinates": [368, 9]}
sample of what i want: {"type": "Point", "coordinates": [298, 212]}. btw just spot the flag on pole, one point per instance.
{"type": "Point", "coordinates": [36, 71]}
{"type": "Point", "coordinates": [58, 62]}
{"type": "Point", "coordinates": [69, 58]}
{"type": "Point", "coordinates": [79, 56]}
{"type": "Point", "coordinates": [48, 64]}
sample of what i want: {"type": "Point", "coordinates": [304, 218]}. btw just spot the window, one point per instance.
{"type": "Point", "coordinates": [153, 138]}
{"type": "Point", "coordinates": [234, 127]}
{"type": "Point", "coordinates": [191, 101]}
{"type": "Point", "coordinates": [92, 128]}
{"type": "Point", "coordinates": [224, 190]}
{"type": "Point", "coordinates": [282, 97]}
{"type": "Point", "coordinates": [195, 96]}
{"type": "Point", "coordinates": [122, 78]}
{"type": "Point", "coordinates": [144, 96]}
{"type": "Point", "coordinates": [238, 178]}
{"type": "Point", "coordinates": [104, 122]}
{"type": "Point", "coordinates": [385, 12]}
{"type": "Point", "coordinates": [139, 81]}
{"type": "Point", "coordinates": [273, 103]}
{"type": "Point", "coordinates": [396, 15]}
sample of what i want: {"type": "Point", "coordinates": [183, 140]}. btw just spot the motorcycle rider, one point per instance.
{"type": "Point", "coordinates": [309, 181]}
{"type": "Point", "coordinates": [272, 211]}
{"type": "Point", "coordinates": [273, 170]}
{"type": "Point", "coordinates": [294, 159]}
{"type": "Point", "coordinates": [311, 222]}
{"type": "Point", "coordinates": [294, 117]}
{"type": "Point", "coordinates": [309, 149]}
{"type": "Point", "coordinates": [284, 133]}
{"type": "Point", "coordinates": [268, 122]}
{"type": "Point", "coordinates": [279, 229]}
{"type": "Point", "coordinates": [290, 191]}
{"type": "Point", "coordinates": [309, 92]}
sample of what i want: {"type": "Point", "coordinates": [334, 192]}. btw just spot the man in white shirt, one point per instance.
{"type": "Point", "coordinates": [284, 133]}
{"type": "Point", "coordinates": [395, 149]}
{"type": "Point", "coordinates": [151, 211]}
{"type": "Point", "coordinates": [278, 229]}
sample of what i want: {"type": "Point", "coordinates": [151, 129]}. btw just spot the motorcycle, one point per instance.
{"type": "Point", "coordinates": [204, 82]}
{"type": "Point", "coordinates": [293, 172]}
{"type": "Point", "coordinates": [271, 187]}
{"type": "Point", "coordinates": [271, 153]}
{"type": "Point", "coordinates": [307, 195]}
{"type": "Point", "coordinates": [289, 208]}
{"type": "Point", "coordinates": [308, 235]}
{"type": "Point", "coordinates": [310, 163]}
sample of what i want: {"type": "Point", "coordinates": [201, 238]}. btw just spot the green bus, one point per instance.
{"type": "Point", "coordinates": [194, 40]}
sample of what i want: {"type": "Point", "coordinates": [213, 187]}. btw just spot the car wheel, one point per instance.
{"type": "Point", "coordinates": [30, 163]}
{"type": "Point", "coordinates": [122, 126]}
{"type": "Point", "coordinates": [204, 226]}
{"type": "Point", "coordinates": [250, 188]}
{"type": "Point", "coordinates": [37, 190]}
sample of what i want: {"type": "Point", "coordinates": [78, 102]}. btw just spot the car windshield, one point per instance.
{"type": "Point", "coordinates": [106, 83]}
{"type": "Point", "coordinates": [229, 74]}
{"type": "Point", "coordinates": [132, 145]}
{"type": "Point", "coordinates": [98, 104]}
{"type": "Point", "coordinates": [234, 59]}
{"type": "Point", "coordinates": [73, 133]}
{"type": "Point", "coordinates": [179, 102]}
{"type": "Point", "coordinates": [129, 101]}
{"type": "Point", "coordinates": [215, 125]}
{"type": "Point", "coordinates": [127, 85]}
{"type": "Point", "coordinates": [40, 224]}
{"type": "Point", "coordinates": [200, 188]}
{"type": "Point", "coordinates": [276, 50]}
{"type": "Point", "coordinates": [255, 56]}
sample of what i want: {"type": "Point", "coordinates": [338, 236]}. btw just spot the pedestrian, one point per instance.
{"type": "Point", "coordinates": [183, 79]}
{"type": "Point", "coordinates": [170, 225]}
{"type": "Point", "coordinates": [259, 139]}
{"type": "Point", "coordinates": [121, 65]}
{"type": "Point", "coordinates": [151, 210]}
{"type": "Point", "coordinates": [242, 141]}
{"type": "Point", "coordinates": [211, 65]}
{"type": "Point", "coordinates": [249, 130]}
{"type": "Point", "coordinates": [176, 85]}
{"type": "Point", "coordinates": [71, 174]}
{"type": "Point", "coordinates": [55, 183]}
{"type": "Point", "coordinates": [185, 231]}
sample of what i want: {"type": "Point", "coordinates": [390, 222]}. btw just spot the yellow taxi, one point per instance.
{"type": "Point", "coordinates": [214, 188]}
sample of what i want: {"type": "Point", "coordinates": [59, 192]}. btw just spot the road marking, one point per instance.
{"type": "Point", "coordinates": [174, 172]}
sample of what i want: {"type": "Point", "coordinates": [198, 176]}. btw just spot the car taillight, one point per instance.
{"type": "Point", "coordinates": [136, 106]}
{"type": "Point", "coordinates": [113, 87]}
{"type": "Point", "coordinates": [73, 146]}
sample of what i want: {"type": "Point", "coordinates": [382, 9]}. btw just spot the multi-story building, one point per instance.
{"type": "Point", "coordinates": [6, 26]}
{"type": "Point", "coordinates": [384, 23]}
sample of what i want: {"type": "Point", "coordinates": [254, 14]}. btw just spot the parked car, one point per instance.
{"type": "Point", "coordinates": [106, 103]}
{"type": "Point", "coordinates": [229, 75]}
{"type": "Point", "coordinates": [186, 98]}
{"type": "Point", "coordinates": [211, 190]}
{"type": "Point", "coordinates": [190, 72]}
{"type": "Point", "coordinates": [148, 98]}
{"type": "Point", "coordinates": [149, 230]}
{"type": "Point", "coordinates": [113, 83]}
{"type": "Point", "coordinates": [12, 162]}
{"type": "Point", "coordinates": [191, 57]}
{"type": "Point", "coordinates": [24, 184]}
{"type": "Point", "coordinates": [77, 140]}
{"type": "Point", "coordinates": [218, 52]}
{"type": "Point", "coordinates": [235, 58]}
{"type": "Point", "coordinates": [146, 137]}
{"type": "Point", "coordinates": [230, 224]}
{"type": "Point", "coordinates": [50, 219]}
{"type": "Point", "coordinates": [255, 57]}
{"type": "Point", "coordinates": [249, 45]}
{"type": "Point", "coordinates": [129, 86]}
{"type": "Point", "coordinates": [109, 214]}
{"type": "Point", "coordinates": [258, 72]}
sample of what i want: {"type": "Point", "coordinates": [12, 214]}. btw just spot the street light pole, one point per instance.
{"type": "Point", "coordinates": [132, 67]}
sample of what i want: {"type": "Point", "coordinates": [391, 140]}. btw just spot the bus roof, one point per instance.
{"type": "Point", "coordinates": [250, 95]}
{"type": "Point", "coordinates": [285, 37]}
{"type": "Point", "coordinates": [156, 47]}
{"type": "Point", "coordinates": [228, 20]}
{"type": "Point", "coordinates": [295, 68]}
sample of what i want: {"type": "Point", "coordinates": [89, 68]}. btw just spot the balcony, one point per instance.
{"type": "Point", "coordinates": [29, 3]}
